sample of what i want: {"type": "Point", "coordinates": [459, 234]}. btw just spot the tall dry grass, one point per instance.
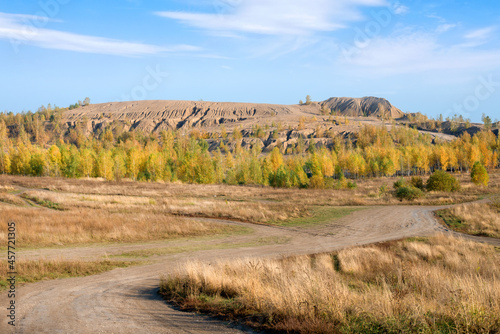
{"type": "Point", "coordinates": [478, 218]}
{"type": "Point", "coordinates": [36, 270]}
{"type": "Point", "coordinates": [439, 284]}
{"type": "Point", "coordinates": [366, 193]}
{"type": "Point", "coordinates": [213, 207]}
{"type": "Point", "coordinates": [44, 227]}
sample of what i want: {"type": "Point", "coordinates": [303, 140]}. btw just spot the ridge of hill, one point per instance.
{"type": "Point", "coordinates": [154, 116]}
{"type": "Point", "coordinates": [263, 125]}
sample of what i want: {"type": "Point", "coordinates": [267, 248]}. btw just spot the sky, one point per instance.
{"type": "Point", "coordinates": [433, 57]}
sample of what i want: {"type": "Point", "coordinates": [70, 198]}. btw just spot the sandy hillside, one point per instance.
{"type": "Point", "coordinates": [162, 115]}
{"type": "Point", "coordinates": [262, 125]}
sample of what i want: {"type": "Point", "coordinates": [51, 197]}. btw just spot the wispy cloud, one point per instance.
{"type": "Point", "coordinates": [478, 37]}
{"type": "Point", "coordinates": [417, 53]}
{"type": "Point", "coordinates": [400, 9]}
{"type": "Point", "coordinates": [278, 17]}
{"type": "Point", "coordinates": [16, 28]}
{"type": "Point", "coordinates": [445, 27]}
{"type": "Point", "coordinates": [481, 34]}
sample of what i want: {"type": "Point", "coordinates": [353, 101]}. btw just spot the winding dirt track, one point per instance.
{"type": "Point", "coordinates": [126, 300]}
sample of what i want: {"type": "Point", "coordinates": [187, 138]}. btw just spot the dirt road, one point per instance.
{"type": "Point", "coordinates": [125, 300]}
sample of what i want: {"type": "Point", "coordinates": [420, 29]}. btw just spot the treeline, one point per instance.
{"type": "Point", "coordinates": [174, 156]}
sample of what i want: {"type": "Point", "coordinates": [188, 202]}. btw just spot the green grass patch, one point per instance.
{"type": "Point", "coordinates": [320, 215]}
{"type": "Point", "coordinates": [45, 203]}
{"type": "Point", "coordinates": [29, 271]}
{"type": "Point", "coordinates": [451, 220]}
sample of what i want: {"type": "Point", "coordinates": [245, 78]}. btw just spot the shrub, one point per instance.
{"type": "Point", "coordinates": [351, 185]}
{"type": "Point", "coordinates": [399, 183]}
{"type": "Point", "coordinates": [417, 182]}
{"type": "Point", "coordinates": [408, 193]}
{"type": "Point", "coordinates": [479, 174]}
{"type": "Point", "coordinates": [442, 181]}
{"type": "Point", "coordinates": [383, 190]}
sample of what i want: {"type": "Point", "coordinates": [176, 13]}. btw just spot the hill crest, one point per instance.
{"type": "Point", "coordinates": [158, 115]}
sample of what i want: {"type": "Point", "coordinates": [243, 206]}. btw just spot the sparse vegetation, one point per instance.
{"type": "Point", "coordinates": [29, 271]}
{"type": "Point", "coordinates": [425, 285]}
{"type": "Point", "coordinates": [481, 219]}
{"type": "Point", "coordinates": [43, 228]}
{"type": "Point", "coordinates": [320, 215]}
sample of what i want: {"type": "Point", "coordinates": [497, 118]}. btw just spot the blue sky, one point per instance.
{"type": "Point", "coordinates": [438, 57]}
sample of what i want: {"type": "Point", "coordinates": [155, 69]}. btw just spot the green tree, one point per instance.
{"type": "Point", "coordinates": [479, 174]}
{"type": "Point", "coordinates": [37, 163]}
{"type": "Point", "coordinates": [486, 121]}
{"type": "Point", "coordinates": [442, 181]}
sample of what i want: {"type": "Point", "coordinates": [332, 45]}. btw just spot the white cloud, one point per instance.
{"type": "Point", "coordinates": [400, 9]}
{"type": "Point", "coordinates": [478, 37]}
{"type": "Point", "coordinates": [418, 53]}
{"type": "Point", "coordinates": [480, 34]}
{"type": "Point", "coordinates": [278, 17]}
{"type": "Point", "coordinates": [22, 29]}
{"type": "Point", "coordinates": [445, 27]}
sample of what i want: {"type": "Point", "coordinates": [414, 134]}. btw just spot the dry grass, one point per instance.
{"type": "Point", "coordinates": [439, 284]}
{"type": "Point", "coordinates": [11, 199]}
{"type": "Point", "coordinates": [255, 212]}
{"type": "Point", "coordinates": [366, 193]}
{"type": "Point", "coordinates": [37, 270]}
{"type": "Point", "coordinates": [44, 227]}
{"type": "Point", "coordinates": [475, 218]}
{"type": "Point", "coordinates": [100, 211]}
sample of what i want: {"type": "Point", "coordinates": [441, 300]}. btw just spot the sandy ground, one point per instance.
{"type": "Point", "coordinates": [126, 300]}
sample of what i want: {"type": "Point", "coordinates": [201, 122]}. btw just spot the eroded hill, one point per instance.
{"type": "Point", "coordinates": [152, 116]}
{"type": "Point", "coordinates": [261, 124]}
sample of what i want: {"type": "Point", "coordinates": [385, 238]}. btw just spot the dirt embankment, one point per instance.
{"type": "Point", "coordinates": [261, 124]}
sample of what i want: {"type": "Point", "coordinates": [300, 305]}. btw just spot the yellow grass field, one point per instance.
{"type": "Point", "coordinates": [426, 285]}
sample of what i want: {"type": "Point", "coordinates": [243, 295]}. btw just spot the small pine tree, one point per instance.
{"type": "Point", "coordinates": [479, 174]}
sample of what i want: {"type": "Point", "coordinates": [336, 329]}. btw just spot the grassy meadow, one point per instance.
{"type": "Point", "coordinates": [438, 284]}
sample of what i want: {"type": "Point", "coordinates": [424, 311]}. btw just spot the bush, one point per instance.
{"type": "Point", "coordinates": [479, 174]}
{"type": "Point", "coordinates": [442, 181]}
{"type": "Point", "coordinates": [399, 183]}
{"type": "Point", "coordinates": [382, 191]}
{"type": "Point", "coordinates": [417, 182]}
{"type": "Point", "coordinates": [408, 193]}
{"type": "Point", "coordinates": [351, 185]}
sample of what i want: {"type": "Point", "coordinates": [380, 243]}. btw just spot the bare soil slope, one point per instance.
{"type": "Point", "coordinates": [366, 106]}
{"type": "Point", "coordinates": [261, 125]}
{"type": "Point", "coordinates": [153, 116]}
